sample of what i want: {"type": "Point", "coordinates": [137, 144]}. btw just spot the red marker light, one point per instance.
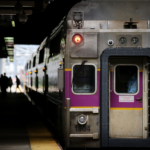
{"type": "Point", "coordinates": [77, 39]}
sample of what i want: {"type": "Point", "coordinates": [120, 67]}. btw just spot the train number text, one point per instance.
{"type": "Point", "coordinates": [82, 128]}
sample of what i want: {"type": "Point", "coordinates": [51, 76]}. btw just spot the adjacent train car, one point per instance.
{"type": "Point", "coordinates": [90, 77]}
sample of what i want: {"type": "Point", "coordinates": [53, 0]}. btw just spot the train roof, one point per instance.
{"type": "Point", "coordinates": [55, 31]}
{"type": "Point", "coordinates": [42, 44]}
{"type": "Point", "coordinates": [113, 10]}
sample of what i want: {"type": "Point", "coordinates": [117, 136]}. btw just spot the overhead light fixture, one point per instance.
{"type": "Point", "coordinates": [8, 38]}
{"type": "Point", "coordinates": [9, 49]}
{"type": "Point", "coordinates": [23, 17]}
{"type": "Point", "coordinates": [9, 41]}
{"type": "Point", "coordinates": [49, 1]}
{"type": "Point", "coordinates": [10, 45]}
{"type": "Point", "coordinates": [18, 8]}
{"type": "Point", "coordinates": [13, 23]}
{"type": "Point", "coordinates": [10, 53]}
{"type": "Point", "coordinates": [11, 59]}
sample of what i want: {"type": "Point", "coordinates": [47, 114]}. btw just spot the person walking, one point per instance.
{"type": "Point", "coordinates": [17, 83]}
{"type": "Point", "coordinates": [1, 83]}
{"type": "Point", "coordinates": [10, 83]}
{"type": "Point", "coordinates": [4, 84]}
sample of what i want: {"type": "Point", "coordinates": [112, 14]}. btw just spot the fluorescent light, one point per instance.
{"type": "Point", "coordinates": [8, 38]}
{"type": "Point", "coordinates": [9, 49]}
{"type": "Point", "coordinates": [11, 59]}
{"type": "Point", "coordinates": [10, 53]}
{"type": "Point", "coordinates": [9, 41]}
{"type": "Point", "coordinates": [13, 23]}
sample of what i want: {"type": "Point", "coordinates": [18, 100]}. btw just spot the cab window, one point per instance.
{"type": "Point", "coordinates": [126, 78]}
{"type": "Point", "coordinates": [83, 80]}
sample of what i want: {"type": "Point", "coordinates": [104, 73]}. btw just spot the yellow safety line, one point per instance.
{"type": "Point", "coordinates": [112, 70]}
{"type": "Point", "coordinates": [83, 107]}
{"type": "Point", "coordinates": [126, 108]}
{"type": "Point", "coordinates": [19, 89]}
{"type": "Point", "coordinates": [67, 69]}
{"type": "Point", "coordinates": [70, 69]}
{"type": "Point", "coordinates": [111, 108]}
{"type": "Point", "coordinates": [40, 137]}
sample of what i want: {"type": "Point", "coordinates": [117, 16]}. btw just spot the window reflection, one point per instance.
{"type": "Point", "coordinates": [126, 79]}
{"type": "Point", "coordinates": [84, 79]}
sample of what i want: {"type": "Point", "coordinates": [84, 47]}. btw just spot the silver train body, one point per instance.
{"type": "Point", "coordinates": [78, 76]}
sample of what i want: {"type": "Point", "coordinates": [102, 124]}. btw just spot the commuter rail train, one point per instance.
{"type": "Point", "coordinates": [90, 77]}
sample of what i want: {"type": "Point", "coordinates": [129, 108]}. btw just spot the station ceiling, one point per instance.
{"type": "Point", "coordinates": [42, 17]}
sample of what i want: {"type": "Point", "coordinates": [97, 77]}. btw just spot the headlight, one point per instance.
{"type": "Point", "coordinates": [82, 119]}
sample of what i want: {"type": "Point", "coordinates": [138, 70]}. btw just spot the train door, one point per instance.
{"type": "Point", "coordinates": [128, 97]}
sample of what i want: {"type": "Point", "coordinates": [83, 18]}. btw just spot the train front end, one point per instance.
{"type": "Point", "coordinates": [82, 90]}
{"type": "Point", "coordinates": [107, 75]}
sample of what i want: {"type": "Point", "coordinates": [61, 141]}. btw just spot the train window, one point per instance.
{"type": "Point", "coordinates": [41, 56]}
{"type": "Point", "coordinates": [27, 66]}
{"type": "Point", "coordinates": [83, 80]}
{"type": "Point", "coordinates": [126, 78]}
{"type": "Point", "coordinates": [62, 46]}
{"type": "Point", "coordinates": [34, 60]}
{"type": "Point", "coordinates": [55, 45]}
{"type": "Point", "coordinates": [30, 64]}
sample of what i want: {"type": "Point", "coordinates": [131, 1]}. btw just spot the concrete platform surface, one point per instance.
{"type": "Point", "coordinates": [21, 126]}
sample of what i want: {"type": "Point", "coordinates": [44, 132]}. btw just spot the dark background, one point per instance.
{"type": "Point", "coordinates": [39, 25]}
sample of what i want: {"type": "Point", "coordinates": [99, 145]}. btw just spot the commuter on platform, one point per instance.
{"type": "Point", "coordinates": [17, 83]}
{"type": "Point", "coordinates": [0, 83]}
{"type": "Point", "coordinates": [10, 83]}
{"type": "Point", "coordinates": [4, 84]}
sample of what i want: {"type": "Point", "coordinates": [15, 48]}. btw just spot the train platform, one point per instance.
{"type": "Point", "coordinates": [21, 125]}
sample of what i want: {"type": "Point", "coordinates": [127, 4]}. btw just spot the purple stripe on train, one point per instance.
{"type": "Point", "coordinates": [114, 102]}
{"type": "Point", "coordinates": [81, 100]}
{"type": "Point", "coordinates": [94, 100]}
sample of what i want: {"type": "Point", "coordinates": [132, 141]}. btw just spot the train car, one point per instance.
{"type": "Point", "coordinates": [90, 77]}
